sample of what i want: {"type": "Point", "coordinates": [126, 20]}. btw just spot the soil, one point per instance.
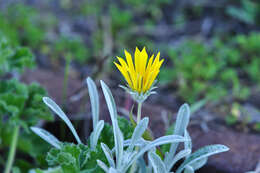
{"type": "Point", "coordinates": [244, 147]}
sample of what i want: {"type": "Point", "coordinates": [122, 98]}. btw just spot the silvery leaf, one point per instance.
{"type": "Point", "coordinates": [189, 169]}
{"type": "Point", "coordinates": [179, 156]}
{"type": "Point", "coordinates": [142, 165]}
{"type": "Point", "coordinates": [102, 165]}
{"type": "Point", "coordinates": [199, 163]}
{"type": "Point", "coordinates": [112, 170]}
{"type": "Point", "coordinates": [47, 136]}
{"type": "Point", "coordinates": [160, 141]}
{"type": "Point", "coordinates": [51, 104]}
{"type": "Point", "coordinates": [182, 121]}
{"type": "Point", "coordinates": [157, 163]}
{"type": "Point", "coordinates": [94, 100]}
{"type": "Point", "coordinates": [96, 133]}
{"type": "Point", "coordinates": [138, 132]}
{"type": "Point", "coordinates": [202, 153]}
{"type": "Point", "coordinates": [119, 140]}
{"type": "Point", "coordinates": [108, 155]}
{"type": "Point", "coordinates": [188, 143]}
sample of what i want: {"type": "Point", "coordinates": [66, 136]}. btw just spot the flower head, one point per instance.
{"type": "Point", "coordinates": [141, 73]}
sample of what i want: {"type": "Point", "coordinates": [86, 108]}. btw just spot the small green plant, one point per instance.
{"type": "Point", "coordinates": [68, 157]}
{"type": "Point", "coordinates": [216, 69]}
{"type": "Point", "coordinates": [22, 24]}
{"type": "Point", "coordinates": [126, 154]}
{"type": "Point", "coordinates": [195, 67]}
{"type": "Point", "coordinates": [82, 157]}
{"type": "Point", "coordinates": [70, 48]}
{"type": "Point", "coordinates": [20, 107]}
{"type": "Point", "coordinates": [248, 12]}
{"type": "Point", "coordinates": [13, 58]}
{"type": "Point", "coordinates": [250, 48]}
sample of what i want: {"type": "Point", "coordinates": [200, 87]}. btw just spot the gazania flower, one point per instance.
{"type": "Point", "coordinates": [141, 73]}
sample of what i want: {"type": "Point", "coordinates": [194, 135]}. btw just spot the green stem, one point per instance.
{"type": "Point", "coordinates": [12, 150]}
{"type": "Point", "coordinates": [65, 80]}
{"type": "Point", "coordinates": [139, 112]}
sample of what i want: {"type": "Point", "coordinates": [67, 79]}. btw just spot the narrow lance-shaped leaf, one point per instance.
{"type": "Point", "coordinates": [198, 105]}
{"type": "Point", "coordinates": [102, 165]}
{"type": "Point", "coordinates": [119, 140]}
{"type": "Point", "coordinates": [108, 155]}
{"type": "Point", "coordinates": [138, 132]}
{"type": "Point", "coordinates": [199, 163]}
{"type": "Point", "coordinates": [160, 141]}
{"type": "Point", "coordinates": [157, 163]}
{"type": "Point", "coordinates": [142, 165]}
{"type": "Point", "coordinates": [189, 169]}
{"type": "Point", "coordinates": [179, 156]}
{"type": "Point", "coordinates": [182, 121]}
{"type": "Point", "coordinates": [47, 136]}
{"type": "Point", "coordinates": [112, 170]}
{"type": "Point", "coordinates": [188, 143]}
{"type": "Point", "coordinates": [94, 100]}
{"type": "Point", "coordinates": [96, 133]}
{"type": "Point", "coordinates": [49, 102]}
{"type": "Point", "coordinates": [202, 153]}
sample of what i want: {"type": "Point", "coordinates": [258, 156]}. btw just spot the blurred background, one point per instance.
{"type": "Point", "coordinates": [212, 61]}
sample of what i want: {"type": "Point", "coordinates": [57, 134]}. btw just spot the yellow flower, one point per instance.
{"type": "Point", "coordinates": [141, 73]}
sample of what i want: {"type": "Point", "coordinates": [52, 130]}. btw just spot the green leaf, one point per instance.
{"type": "Point", "coordinates": [50, 170]}
{"type": "Point", "coordinates": [22, 103]}
{"type": "Point", "coordinates": [75, 158]}
{"type": "Point", "coordinates": [13, 58]}
{"type": "Point", "coordinates": [67, 157]}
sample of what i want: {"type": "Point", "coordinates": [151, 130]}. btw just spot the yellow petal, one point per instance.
{"type": "Point", "coordinates": [151, 79]}
{"type": "Point", "coordinates": [141, 72]}
{"type": "Point", "coordinates": [129, 61]}
{"type": "Point", "coordinates": [123, 63]}
{"type": "Point", "coordinates": [160, 64]}
{"type": "Point", "coordinates": [156, 60]}
{"type": "Point", "coordinates": [124, 73]}
{"type": "Point", "coordinates": [150, 62]}
{"type": "Point", "coordinates": [131, 68]}
{"type": "Point", "coordinates": [148, 68]}
{"type": "Point", "coordinates": [139, 83]}
{"type": "Point", "coordinates": [143, 60]}
{"type": "Point", "coordinates": [137, 60]}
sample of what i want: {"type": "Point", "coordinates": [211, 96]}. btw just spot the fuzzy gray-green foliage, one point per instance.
{"type": "Point", "coordinates": [119, 154]}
